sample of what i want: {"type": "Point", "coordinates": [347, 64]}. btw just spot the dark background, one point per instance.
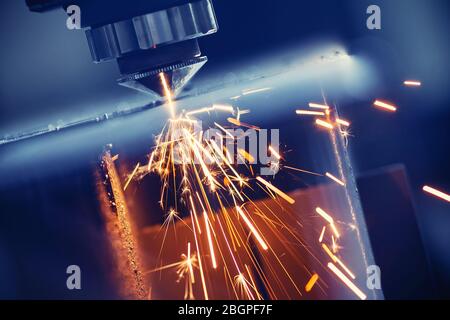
{"type": "Point", "coordinates": [47, 76]}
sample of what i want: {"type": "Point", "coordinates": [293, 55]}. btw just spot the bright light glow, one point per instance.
{"type": "Point", "coordinates": [436, 193]}
{"type": "Point", "coordinates": [168, 94]}
{"type": "Point", "coordinates": [338, 181]}
{"type": "Point", "coordinates": [276, 190]}
{"type": "Point", "coordinates": [322, 234]}
{"type": "Point", "coordinates": [319, 106]}
{"type": "Point", "coordinates": [251, 91]}
{"type": "Point", "coordinates": [411, 83]}
{"type": "Point", "coordinates": [252, 228]}
{"type": "Point", "coordinates": [274, 153]}
{"type": "Point", "coordinates": [324, 124]}
{"type": "Point", "coordinates": [385, 106]}
{"type": "Point", "coordinates": [343, 122]}
{"type": "Point", "coordinates": [310, 113]}
{"type": "Point", "coordinates": [324, 215]}
{"type": "Point", "coordinates": [347, 281]}
{"type": "Point", "coordinates": [312, 281]}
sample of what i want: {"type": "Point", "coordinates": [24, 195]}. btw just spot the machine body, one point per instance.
{"type": "Point", "coordinates": [144, 37]}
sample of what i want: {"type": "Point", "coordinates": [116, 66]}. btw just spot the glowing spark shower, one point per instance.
{"type": "Point", "coordinates": [208, 190]}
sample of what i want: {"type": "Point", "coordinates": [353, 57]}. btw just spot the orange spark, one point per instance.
{"type": "Point", "coordinates": [335, 231]}
{"type": "Point", "coordinates": [238, 123]}
{"type": "Point", "coordinates": [208, 233]}
{"type": "Point", "coordinates": [168, 94]}
{"type": "Point", "coordinates": [329, 219]}
{"type": "Point", "coordinates": [312, 281]}
{"type": "Point", "coordinates": [328, 251]}
{"type": "Point", "coordinates": [334, 245]}
{"type": "Point", "coordinates": [253, 282]}
{"type": "Point", "coordinates": [347, 281]}
{"type": "Point", "coordinates": [223, 107]}
{"type": "Point", "coordinates": [252, 228]}
{"type": "Point", "coordinates": [318, 106]}
{"type": "Point", "coordinates": [329, 175]}
{"type": "Point", "coordinates": [195, 215]}
{"type": "Point", "coordinates": [274, 152]}
{"type": "Point", "coordinates": [224, 130]}
{"type": "Point", "coordinates": [324, 124]}
{"type": "Point", "coordinates": [436, 193]}
{"type": "Point", "coordinates": [310, 113]}
{"type": "Point", "coordinates": [301, 170]}
{"type": "Point", "coordinates": [247, 156]}
{"type": "Point", "coordinates": [325, 215]}
{"type": "Point", "coordinates": [343, 266]}
{"type": "Point", "coordinates": [276, 190]}
{"type": "Point", "coordinates": [412, 83]}
{"type": "Point", "coordinates": [131, 176]}
{"type": "Point", "coordinates": [322, 234]}
{"type": "Point", "coordinates": [205, 291]}
{"type": "Point", "coordinates": [189, 263]}
{"type": "Point", "coordinates": [385, 106]}
{"type": "Point", "coordinates": [342, 122]}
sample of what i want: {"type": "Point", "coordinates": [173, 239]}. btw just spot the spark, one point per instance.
{"type": "Point", "coordinates": [244, 285]}
{"type": "Point", "coordinates": [310, 113]}
{"type": "Point", "coordinates": [172, 215]}
{"type": "Point", "coordinates": [195, 215]}
{"type": "Point", "coordinates": [224, 130]}
{"type": "Point", "coordinates": [304, 171]}
{"type": "Point", "coordinates": [131, 176]}
{"type": "Point", "coordinates": [318, 106]}
{"type": "Point", "coordinates": [168, 94]}
{"type": "Point", "coordinates": [385, 106]}
{"type": "Point", "coordinates": [335, 231]}
{"type": "Point", "coordinates": [190, 262]}
{"type": "Point", "coordinates": [247, 156]}
{"type": "Point", "coordinates": [274, 153]}
{"type": "Point", "coordinates": [187, 164]}
{"type": "Point", "coordinates": [342, 122]}
{"type": "Point", "coordinates": [322, 234]}
{"type": "Point", "coordinates": [343, 266]}
{"type": "Point", "coordinates": [211, 247]}
{"type": "Point", "coordinates": [337, 260]}
{"type": "Point", "coordinates": [252, 228]}
{"type": "Point", "coordinates": [253, 282]}
{"type": "Point", "coordinates": [252, 91]}
{"type": "Point", "coordinates": [240, 113]}
{"type": "Point", "coordinates": [312, 281]}
{"type": "Point", "coordinates": [347, 281]}
{"type": "Point", "coordinates": [338, 181]}
{"type": "Point", "coordinates": [276, 190]}
{"type": "Point", "coordinates": [325, 215]}
{"type": "Point", "coordinates": [238, 123]}
{"type": "Point", "coordinates": [436, 193]}
{"type": "Point", "coordinates": [334, 245]}
{"type": "Point", "coordinates": [329, 219]}
{"type": "Point", "coordinates": [328, 251]}
{"type": "Point", "coordinates": [324, 124]}
{"type": "Point", "coordinates": [412, 83]}
{"type": "Point", "coordinates": [345, 134]}
{"type": "Point", "coordinates": [223, 107]}
{"type": "Point", "coordinates": [205, 290]}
